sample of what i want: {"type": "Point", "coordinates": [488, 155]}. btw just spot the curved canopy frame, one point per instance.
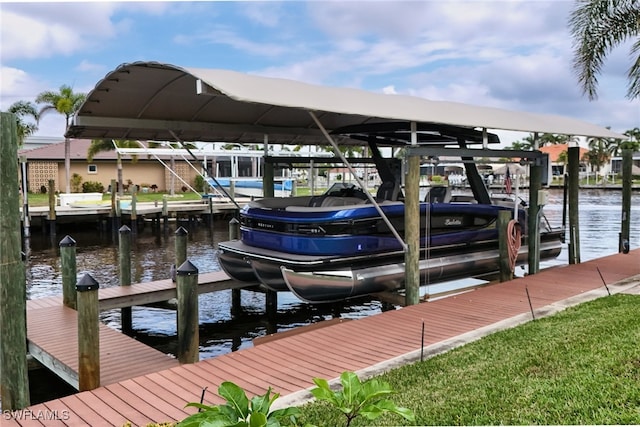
{"type": "Point", "coordinates": [154, 101]}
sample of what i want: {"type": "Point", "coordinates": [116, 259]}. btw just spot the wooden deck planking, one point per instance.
{"type": "Point", "coordinates": [52, 334]}
{"type": "Point", "coordinates": [356, 345]}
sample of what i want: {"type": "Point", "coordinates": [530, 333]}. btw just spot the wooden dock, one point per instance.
{"type": "Point", "coordinates": [52, 334]}
{"type": "Point", "coordinates": [368, 346]}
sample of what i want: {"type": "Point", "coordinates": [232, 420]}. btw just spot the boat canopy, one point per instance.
{"type": "Point", "coordinates": [155, 101]}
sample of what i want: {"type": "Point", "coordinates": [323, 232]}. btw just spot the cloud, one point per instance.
{"type": "Point", "coordinates": [42, 30]}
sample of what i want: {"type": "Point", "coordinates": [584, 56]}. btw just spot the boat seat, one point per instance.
{"type": "Point", "coordinates": [341, 201]}
{"type": "Point", "coordinates": [389, 190]}
{"type": "Point", "coordinates": [438, 194]}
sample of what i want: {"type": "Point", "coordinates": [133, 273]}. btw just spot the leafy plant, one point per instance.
{"type": "Point", "coordinates": [76, 183]}
{"type": "Point", "coordinates": [239, 411]}
{"type": "Point", "coordinates": [92, 187]}
{"type": "Point", "coordinates": [368, 398]}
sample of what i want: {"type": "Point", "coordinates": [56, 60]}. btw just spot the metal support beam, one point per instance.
{"type": "Point", "coordinates": [373, 201]}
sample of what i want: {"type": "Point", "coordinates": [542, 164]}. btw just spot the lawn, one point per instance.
{"type": "Point", "coordinates": [37, 199]}
{"type": "Point", "coordinates": [581, 366]}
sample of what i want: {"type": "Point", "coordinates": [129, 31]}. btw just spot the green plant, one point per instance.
{"type": "Point", "coordinates": [92, 187]}
{"type": "Point", "coordinates": [199, 183]}
{"type": "Point", "coordinates": [76, 183]}
{"type": "Point", "coordinates": [359, 398]}
{"type": "Point", "coordinates": [239, 411]}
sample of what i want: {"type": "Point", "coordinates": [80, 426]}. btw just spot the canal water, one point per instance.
{"type": "Point", "coordinates": [153, 253]}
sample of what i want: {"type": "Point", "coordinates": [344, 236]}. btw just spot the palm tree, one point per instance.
{"type": "Point", "coordinates": [597, 26]}
{"type": "Point", "coordinates": [65, 102]}
{"type": "Point", "coordinates": [99, 145]}
{"type": "Point", "coordinates": [599, 152]}
{"type": "Point", "coordinates": [22, 110]}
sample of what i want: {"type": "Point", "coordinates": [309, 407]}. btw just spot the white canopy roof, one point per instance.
{"type": "Point", "coordinates": [153, 101]}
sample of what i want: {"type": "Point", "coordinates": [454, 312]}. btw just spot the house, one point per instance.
{"type": "Point", "coordinates": [47, 162]}
{"type": "Point", "coordinates": [558, 164]}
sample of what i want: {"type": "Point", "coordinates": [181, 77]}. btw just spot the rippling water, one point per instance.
{"type": "Point", "coordinates": [153, 253]}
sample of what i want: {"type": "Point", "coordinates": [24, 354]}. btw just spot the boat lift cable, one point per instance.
{"type": "Point", "coordinates": [124, 151]}
{"type": "Point", "coordinates": [337, 151]}
{"type": "Point", "coordinates": [204, 168]}
{"type": "Point", "coordinates": [192, 167]}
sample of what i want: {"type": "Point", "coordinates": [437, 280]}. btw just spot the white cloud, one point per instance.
{"type": "Point", "coordinates": [42, 30]}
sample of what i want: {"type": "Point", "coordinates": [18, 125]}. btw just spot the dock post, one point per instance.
{"type": "Point", "coordinates": [26, 220]}
{"type": "Point", "coordinates": [112, 213]}
{"type": "Point", "coordinates": [271, 302]}
{"type": "Point", "coordinates": [182, 236]}
{"type": "Point", "coordinates": [187, 315]}
{"type": "Point", "coordinates": [412, 231]}
{"type": "Point", "coordinates": [234, 229]}
{"type": "Point", "coordinates": [236, 302]}
{"type": "Point", "coordinates": [573, 157]}
{"type": "Point", "coordinates": [51, 218]}
{"type": "Point", "coordinates": [210, 201]}
{"type": "Point", "coordinates": [88, 334]}
{"type": "Point", "coordinates": [627, 162]}
{"type": "Point", "coordinates": [165, 213]}
{"type": "Point", "coordinates": [69, 272]}
{"type": "Point", "coordinates": [13, 301]}
{"type": "Point", "coordinates": [533, 220]}
{"type": "Point", "coordinates": [134, 214]}
{"type": "Point", "coordinates": [124, 262]}
{"type": "Point", "coordinates": [506, 273]}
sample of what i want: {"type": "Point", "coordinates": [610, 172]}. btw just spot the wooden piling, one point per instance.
{"type": "Point", "coordinates": [113, 211]}
{"type": "Point", "coordinates": [124, 263]}
{"type": "Point", "coordinates": [505, 265]}
{"type": "Point", "coordinates": [182, 237]}
{"type": "Point", "coordinates": [187, 314]}
{"type": "Point", "coordinates": [51, 218]}
{"type": "Point", "coordinates": [627, 162]}
{"type": "Point", "coordinates": [271, 304]}
{"type": "Point", "coordinates": [533, 220]}
{"type": "Point", "coordinates": [165, 213]}
{"type": "Point", "coordinates": [236, 302]}
{"type": "Point", "coordinates": [134, 213]}
{"type": "Point", "coordinates": [573, 157]}
{"type": "Point", "coordinates": [88, 334]}
{"type": "Point", "coordinates": [412, 231]}
{"type": "Point", "coordinates": [234, 229]}
{"type": "Point", "coordinates": [69, 272]}
{"type": "Point", "coordinates": [13, 301]}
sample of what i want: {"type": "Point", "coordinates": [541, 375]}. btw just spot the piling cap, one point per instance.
{"type": "Point", "coordinates": [67, 241]}
{"type": "Point", "coordinates": [124, 229]}
{"type": "Point", "coordinates": [187, 269]}
{"type": "Point", "coordinates": [181, 231]}
{"type": "Point", "coordinates": [87, 283]}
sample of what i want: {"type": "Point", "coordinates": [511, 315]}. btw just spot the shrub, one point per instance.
{"type": "Point", "coordinates": [76, 183]}
{"type": "Point", "coordinates": [92, 187]}
{"type": "Point", "coordinates": [239, 411]}
{"type": "Point", "coordinates": [356, 398]}
{"type": "Point", "coordinates": [199, 183]}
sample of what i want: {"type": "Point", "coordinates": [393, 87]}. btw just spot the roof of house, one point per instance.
{"type": "Point", "coordinates": [554, 151]}
{"type": "Point", "coordinates": [55, 151]}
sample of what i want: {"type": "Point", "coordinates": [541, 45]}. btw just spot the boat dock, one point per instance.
{"type": "Point", "coordinates": [99, 211]}
{"type": "Point", "coordinates": [368, 346]}
{"type": "Point", "coordinates": [52, 330]}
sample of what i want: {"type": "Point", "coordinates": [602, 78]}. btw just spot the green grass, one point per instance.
{"type": "Point", "coordinates": [581, 366]}
{"type": "Point", "coordinates": [37, 199]}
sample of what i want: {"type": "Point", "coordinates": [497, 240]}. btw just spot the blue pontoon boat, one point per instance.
{"type": "Point", "coordinates": [337, 245]}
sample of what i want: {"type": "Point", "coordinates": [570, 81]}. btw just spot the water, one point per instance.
{"type": "Point", "coordinates": [153, 253]}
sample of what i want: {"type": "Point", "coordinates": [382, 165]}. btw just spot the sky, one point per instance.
{"type": "Point", "coordinates": [511, 54]}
